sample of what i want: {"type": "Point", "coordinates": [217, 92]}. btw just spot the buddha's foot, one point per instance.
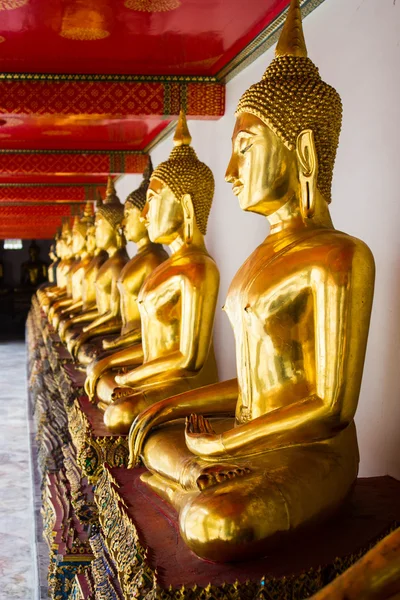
{"type": "Point", "coordinates": [215, 474]}
{"type": "Point", "coordinates": [121, 392]}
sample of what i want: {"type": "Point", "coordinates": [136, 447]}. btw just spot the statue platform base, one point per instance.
{"type": "Point", "coordinates": [140, 535]}
{"type": "Point", "coordinates": [94, 444]}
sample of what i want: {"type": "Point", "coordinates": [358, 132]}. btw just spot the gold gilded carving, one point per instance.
{"type": "Point", "coordinates": [91, 450]}
{"type": "Point", "coordinates": [275, 450]}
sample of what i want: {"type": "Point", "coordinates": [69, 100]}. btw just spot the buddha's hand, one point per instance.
{"type": "Point", "coordinates": [93, 373]}
{"type": "Point", "coordinates": [201, 438]}
{"type": "Point", "coordinates": [108, 344]}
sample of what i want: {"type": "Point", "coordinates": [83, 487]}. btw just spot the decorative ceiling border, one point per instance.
{"type": "Point", "coordinates": [262, 43]}
{"type": "Point", "coordinates": [108, 78]}
{"type": "Point", "coordinates": [69, 151]}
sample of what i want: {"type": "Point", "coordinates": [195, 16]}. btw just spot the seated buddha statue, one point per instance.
{"type": "Point", "coordinates": [84, 309]}
{"type": "Point", "coordinates": [77, 272]}
{"type": "Point", "coordinates": [149, 256]}
{"type": "Point", "coordinates": [177, 301]}
{"type": "Point", "coordinates": [107, 319]}
{"type": "Point", "coordinates": [264, 456]}
{"type": "Point", "coordinates": [48, 295]}
{"type": "Point", "coordinates": [53, 265]}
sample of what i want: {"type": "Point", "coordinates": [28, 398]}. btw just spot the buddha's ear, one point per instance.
{"type": "Point", "coordinates": [188, 215]}
{"type": "Point", "coordinates": [308, 171]}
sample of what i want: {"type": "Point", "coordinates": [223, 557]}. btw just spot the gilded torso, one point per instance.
{"type": "Point", "coordinates": [280, 297]}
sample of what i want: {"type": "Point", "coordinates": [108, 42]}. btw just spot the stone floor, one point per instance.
{"type": "Point", "coordinates": [18, 572]}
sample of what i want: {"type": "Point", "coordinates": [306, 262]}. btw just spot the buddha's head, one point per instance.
{"type": "Point", "coordinates": [180, 193]}
{"type": "Point", "coordinates": [108, 220]}
{"type": "Point", "coordinates": [80, 228]}
{"type": "Point", "coordinates": [58, 243]}
{"type": "Point", "coordinates": [287, 130]}
{"type": "Point", "coordinates": [133, 225]}
{"type": "Point", "coordinates": [66, 241]}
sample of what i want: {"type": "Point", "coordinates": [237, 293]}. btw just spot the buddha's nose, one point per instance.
{"type": "Point", "coordinates": [231, 171]}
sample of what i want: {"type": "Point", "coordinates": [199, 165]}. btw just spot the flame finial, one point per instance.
{"type": "Point", "coordinates": [182, 136]}
{"type": "Point", "coordinates": [291, 41]}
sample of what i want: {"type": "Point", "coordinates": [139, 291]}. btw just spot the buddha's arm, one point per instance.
{"type": "Point", "coordinates": [85, 317]}
{"type": "Point", "coordinates": [73, 308]}
{"type": "Point", "coordinates": [132, 337]}
{"type": "Point", "coordinates": [215, 399]}
{"type": "Point", "coordinates": [197, 318]}
{"type": "Point", "coordinates": [123, 358]}
{"type": "Point", "coordinates": [112, 316]}
{"type": "Point", "coordinates": [342, 298]}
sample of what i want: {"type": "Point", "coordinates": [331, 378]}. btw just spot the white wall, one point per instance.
{"type": "Point", "coordinates": [356, 44]}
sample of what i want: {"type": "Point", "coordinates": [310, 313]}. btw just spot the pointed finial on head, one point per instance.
{"type": "Point", "coordinates": [88, 210]}
{"type": "Point", "coordinates": [291, 41]}
{"type": "Point", "coordinates": [99, 201]}
{"type": "Point", "coordinates": [111, 194]}
{"type": "Point", "coordinates": [182, 136]}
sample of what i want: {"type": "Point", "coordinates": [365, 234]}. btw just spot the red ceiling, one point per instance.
{"type": "Point", "coordinates": [151, 44]}
{"type": "Point", "coordinates": [86, 132]}
{"type": "Point", "coordinates": [197, 38]}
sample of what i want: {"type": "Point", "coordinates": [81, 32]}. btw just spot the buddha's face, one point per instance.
{"type": "Point", "coordinates": [91, 239]}
{"type": "Point", "coordinates": [133, 226]}
{"type": "Point", "coordinates": [78, 242]}
{"type": "Point", "coordinates": [261, 169]}
{"type": "Point", "coordinates": [162, 214]}
{"type": "Point", "coordinates": [67, 246]}
{"type": "Point", "coordinates": [105, 234]}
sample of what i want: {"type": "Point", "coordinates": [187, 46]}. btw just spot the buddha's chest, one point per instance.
{"type": "Point", "coordinates": [162, 301]}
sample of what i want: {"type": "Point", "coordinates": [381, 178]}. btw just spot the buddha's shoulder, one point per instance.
{"type": "Point", "coordinates": [333, 244]}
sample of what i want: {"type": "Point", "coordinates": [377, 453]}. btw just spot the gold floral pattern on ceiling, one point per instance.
{"type": "Point", "coordinates": [85, 20]}
{"type": "Point", "coordinates": [11, 4]}
{"type": "Point", "coordinates": [152, 5]}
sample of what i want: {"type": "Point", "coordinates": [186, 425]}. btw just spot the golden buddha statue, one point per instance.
{"type": "Point", "coordinates": [48, 295]}
{"type": "Point", "coordinates": [266, 455]}
{"type": "Point", "coordinates": [149, 256]}
{"type": "Point", "coordinates": [177, 301]}
{"type": "Point", "coordinates": [54, 262]}
{"type": "Point", "coordinates": [77, 272]}
{"type": "Point", "coordinates": [106, 319]}
{"type": "Point", "coordinates": [84, 309]}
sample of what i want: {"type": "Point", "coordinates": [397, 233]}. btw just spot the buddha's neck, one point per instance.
{"type": "Point", "coordinates": [180, 245]}
{"type": "Point", "coordinates": [111, 250]}
{"type": "Point", "coordinates": [288, 219]}
{"type": "Point", "coordinates": [143, 244]}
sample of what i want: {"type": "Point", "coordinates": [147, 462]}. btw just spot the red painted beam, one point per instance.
{"type": "Point", "coordinates": [107, 99]}
{"type": "Point", "coordinates": [49, 193]}
{"type": "Point", "coordinates": [70, 163]}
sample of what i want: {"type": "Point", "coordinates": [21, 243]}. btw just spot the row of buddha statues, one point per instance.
{"type": "Point", "coordinates": [261, 457]}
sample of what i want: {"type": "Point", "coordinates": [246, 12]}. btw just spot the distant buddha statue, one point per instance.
{"type": "Point", "coordinates": [54, 262]}
{"type": "Point", "coordinates": [106, 319]}
{"type": "Point", "coordinates": [34, 270]}
{"type": "Point", "coordinates": [177, 301]}
{"type": "Point", "coordinates": [47, 296]}
{"type": "Point", "coordinates": [77, 272]}
{"type": "Point", "coordinates": [84, 309]}
{"type": "Point", "coordinates": [268, 454]}
{"type": "Point", "coordinates": [148, 257]}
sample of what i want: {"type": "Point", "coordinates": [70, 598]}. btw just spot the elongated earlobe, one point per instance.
{"type": "Point", "coordinates": [308, 172]}
{"type": "Point", "coordinates": [188, 212]}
